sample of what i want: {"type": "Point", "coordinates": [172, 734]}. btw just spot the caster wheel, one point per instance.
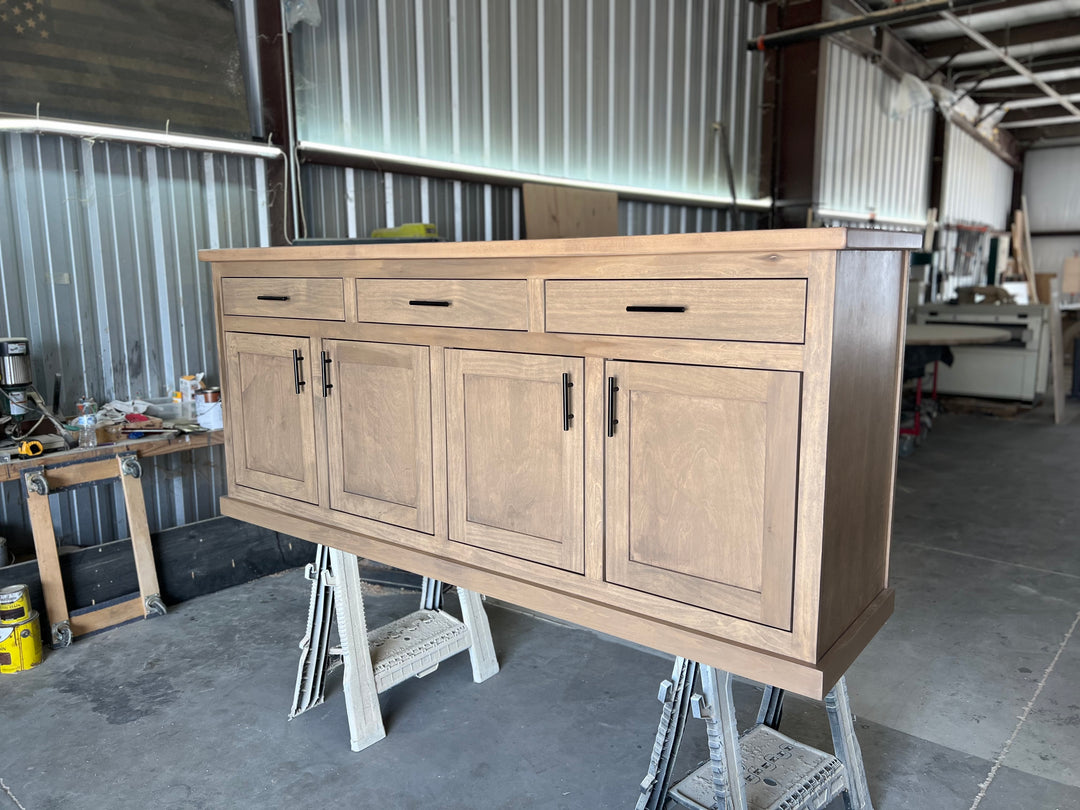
{"type": "Point", "coordinates": [155, 607]}
{"type": "Point", "coordinates": [61, 634]}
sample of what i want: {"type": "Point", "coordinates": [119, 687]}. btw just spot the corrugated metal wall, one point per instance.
{"type": "Point", "coordinates": [976, 183]}
{"type": "Point", "coordinates": [346, 203]}
{"type": "Point", "coordinates": [621, 91]}
{"type": "Point", "coordinates": [98, 269]}
{"type": "Point", "coordinates": [868, 160]}
{"type": "Point", "coordinates": [1053, 195]}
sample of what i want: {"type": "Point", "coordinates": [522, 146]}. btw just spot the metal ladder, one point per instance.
{"type": "Point", "coordinates": [760, 770]}
{"type": "Point", "coordinates": [374, 661]}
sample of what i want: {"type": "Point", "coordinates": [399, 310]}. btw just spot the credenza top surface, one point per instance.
{"type": "Point", "coordinates": [794, 239]}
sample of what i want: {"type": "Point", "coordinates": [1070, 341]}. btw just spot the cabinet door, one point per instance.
{"type": "Point", "coordinates": [378, 424]}
{"type": "Point", "coordinates": [516, 457]}
{"type": "Point", "coordinates": [271, 427]}
{"type": "Point", "coordinates": [700, 486]}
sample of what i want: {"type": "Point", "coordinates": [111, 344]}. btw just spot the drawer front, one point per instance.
{"type": "Point", "coordinates": [321, 299]}
{"type": "Point", "coordinates": [477, 304]}
{"type": "Point", "coordinates": [763, 310]}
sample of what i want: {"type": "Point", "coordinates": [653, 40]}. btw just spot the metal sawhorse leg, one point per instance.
{"type": "Point", "coordinates": [412, 646]}
{"type": "Point", "coordinates": [762, 769]}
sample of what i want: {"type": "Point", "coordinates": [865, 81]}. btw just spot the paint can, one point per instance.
{"type": "Point", "coordinates": [20, 645]}
{"type": "Point", "coordinates": [14, 604]}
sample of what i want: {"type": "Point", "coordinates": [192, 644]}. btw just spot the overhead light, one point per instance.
{"type": "Point", "coordinates": [104, 132]}
{"type": "Point", "coordinates": [485, 174]}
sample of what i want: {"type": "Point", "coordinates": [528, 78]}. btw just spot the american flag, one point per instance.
{"type": "Point", "coordinates": [122, 62]}
{"type": "Point", "coordinates": [26, 18]}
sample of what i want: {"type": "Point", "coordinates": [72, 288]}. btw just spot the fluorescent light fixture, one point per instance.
{"type": "Point", "coordinates": [104, 132]}
{"type": "Point", "coordinates": [484, 174]}
{"type": "Point", "coordinates": [860, 216]}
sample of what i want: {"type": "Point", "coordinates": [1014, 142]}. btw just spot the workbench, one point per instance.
{"type": "Point", "coordinates": [143, 448]}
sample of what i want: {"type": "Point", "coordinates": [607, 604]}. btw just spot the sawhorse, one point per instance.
{"type": "Point", "coordinates": [762, 769]}
{"type": "Point", "coordinates": [412, 646]}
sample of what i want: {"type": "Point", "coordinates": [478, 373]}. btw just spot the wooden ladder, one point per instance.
{"type": "Point", "coordinates": [376, 660]}
{"type": "Point", "coordinates": [39, 483]}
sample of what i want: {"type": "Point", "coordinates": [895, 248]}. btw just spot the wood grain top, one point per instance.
{"type": "Point", "coordinates": [734, 241]}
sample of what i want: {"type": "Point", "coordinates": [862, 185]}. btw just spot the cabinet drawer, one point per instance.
{"type": "Point", "coordinates": [764, 310]}
{"type": "Point", "coordinates": [321, 299]}
{"type": "Point", "coordinates": [476, 303]}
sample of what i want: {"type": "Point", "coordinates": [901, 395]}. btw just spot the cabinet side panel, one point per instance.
{"type": "Point", "coordinates": [867, 354]}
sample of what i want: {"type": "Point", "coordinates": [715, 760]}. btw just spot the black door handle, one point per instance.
{"type": "Point", "coordinates": [655, 309]}
{"type": "Point", "coordinates": [272, 297]}
{"type": "Point", "coordinates": [612, 389]}
{"type": "Point", "coordinates": [297, 359]}
{"type": "Point", "coordinates": [429, 303]}
{"type": "Point", "coordinates": [326, 384]}
{"type": "Point", "coordinates": [566, 415]}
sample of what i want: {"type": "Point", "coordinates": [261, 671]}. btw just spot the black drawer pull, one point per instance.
{"type": "Point", "coordinates": [655, 309]}
{"type": "Point", "coordinates": [612, 389]}
{"type": "Point", "coordinates": [273, 297]}
{"type": "Point", "coordinates": [429, 303]}
{"type": "Point", "coordinates": [298, 376]}
{"type": "Point", "coordinates": [326, 384]}
{"type": "Point", "coordinates": [566, 415]}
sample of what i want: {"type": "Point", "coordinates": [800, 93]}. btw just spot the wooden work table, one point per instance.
{"type": "Point", "coordinates": [686, 441]}
{"type": "Point", "coordinates": [144, 448]}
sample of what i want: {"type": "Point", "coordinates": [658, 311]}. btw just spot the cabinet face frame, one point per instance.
{"type": "Point", "coordinates": [752, 493]}
{"type": "Point", "coordinates": [274, 369]}
{"type": "Point", "coordinates": [397, 402]}
{"type": "Point", "coordinates": [520, 396]}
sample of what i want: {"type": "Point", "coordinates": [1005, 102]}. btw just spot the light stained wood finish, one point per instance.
{"type": "Point", "coordinates": [93, 620]}
{"type": "Point", "coordinates": [272, 427]}
{"type": "Point", "coordinates": [780, 356]}
{"type": "Point", "coordinates": [145, 570]}
{"type": "Point", "coordinates": [312, 298]}
{"type": "Point", "coordinates": [700, 487]}
{"type": "Point", "coordinates": [48, 557]}
{"type": "Point", "coordinates": [797, 239]}
{"type": "Point", "coordinates": [868, 345]}
{"type": "Point", "coordinates": [472, 303]}
{"type": "Point", "coordinates": [1057, 353]}
{"type": "Point", "coordinates": [771, 447]}
{"type": "Point", "coordinates": [560, 212]}
{"type": "Point", "coordinates": [653, 629]}
{"type": "Point", "coordinates": [379, 432]}
{"type": "Point", "coordinates": [516, 477]}
{"type": "Point", "coordinates": [769, 311]}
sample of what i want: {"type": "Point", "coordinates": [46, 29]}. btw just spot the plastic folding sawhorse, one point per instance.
{"type": "Point", "coordinates": [759, 770]}
{"type": "Point", "coordinates": [412, 646]}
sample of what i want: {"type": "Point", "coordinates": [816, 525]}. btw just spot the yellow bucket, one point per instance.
{"type": "Point", "coordinates": [14, 604]}
{"type": "Point", "coordinates": [20, 645]}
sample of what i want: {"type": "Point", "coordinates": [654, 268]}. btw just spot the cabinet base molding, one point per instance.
{"type": "Point", "coordinates": [811, 679]}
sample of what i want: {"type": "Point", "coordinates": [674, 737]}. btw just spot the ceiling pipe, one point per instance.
{"type": "Point", "coordinates": [1011, 62]}
{"type": "Point", "coordinates": [907, 11]}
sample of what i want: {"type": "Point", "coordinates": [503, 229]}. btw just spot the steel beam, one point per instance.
{"type": "Point", "coordinates": [1011, 62]}
{"type": "Point", "coordinates": [1004, 38]}
{"type": "Point", "coordinates": [815, 31]}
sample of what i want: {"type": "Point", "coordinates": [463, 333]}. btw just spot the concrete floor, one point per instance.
{"type": "Point", "coordinates": [976, 677]}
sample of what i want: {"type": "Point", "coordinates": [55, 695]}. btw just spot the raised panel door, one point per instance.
{"type": "Point", "coordinates": [378, 422]}
{"type": "Point", "coordinates": [700, 473]}
{"type": "Point", "coordinates": [271, 423]}
{"type": "Point", "coordinates": [515, 450]}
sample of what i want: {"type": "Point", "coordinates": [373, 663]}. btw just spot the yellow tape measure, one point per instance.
{"type": "Point", "coordinates": [31, 448]}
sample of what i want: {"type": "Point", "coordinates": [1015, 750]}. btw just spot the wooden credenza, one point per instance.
{"type": "Point", "coordinates": [685, 441]}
